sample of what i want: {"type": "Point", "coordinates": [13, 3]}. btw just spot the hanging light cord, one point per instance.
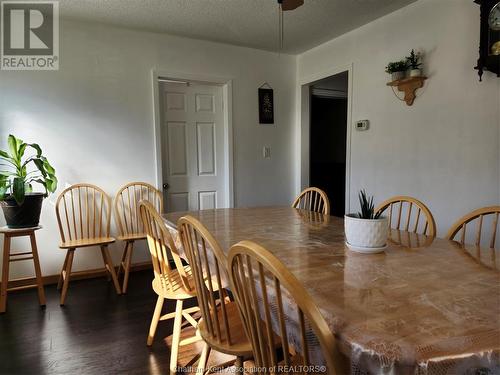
{"type": "Point", "coordinates": [280, 26]}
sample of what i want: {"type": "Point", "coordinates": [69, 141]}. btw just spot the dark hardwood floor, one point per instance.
{"type": "Point", "coordinates": [97, 332]}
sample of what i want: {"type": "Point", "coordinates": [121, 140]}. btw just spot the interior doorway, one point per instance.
{"type": "Point", "coordinates": [328, 138]}
{"type": "Point", "coordinates": [194, 148]}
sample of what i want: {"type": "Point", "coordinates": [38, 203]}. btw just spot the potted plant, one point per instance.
{"type": "Point", "coordinates": [366, 231]}
{"type": "Point", "coordinates": [414, 64]}
{"type": "Point", "coordinates": [397, 69]}
{"type": "Point", "coordinates": [18, 172]}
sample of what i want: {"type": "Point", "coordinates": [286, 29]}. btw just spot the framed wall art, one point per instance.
{"type": "Point", "coordinates": [266, 104]}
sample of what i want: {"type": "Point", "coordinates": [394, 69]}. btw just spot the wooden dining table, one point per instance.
{"type": "Point", "coordinates": [423, 306]}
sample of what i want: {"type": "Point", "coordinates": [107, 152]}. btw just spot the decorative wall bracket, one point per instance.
{"type": "Point", "coordinates": [409, 86]}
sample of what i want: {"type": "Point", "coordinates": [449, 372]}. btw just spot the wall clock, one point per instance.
{"type": "Point", "coordinates": [494, 17]}
{"type": "Point", "coordinates": [489, 42]}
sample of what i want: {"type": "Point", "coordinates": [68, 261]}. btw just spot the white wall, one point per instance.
{"type": "Point", "coordinates": [444, 149]}
{"type": "Point", "coordinates": [94, 118]}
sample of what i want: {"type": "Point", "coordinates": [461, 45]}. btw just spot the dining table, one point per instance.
{"type": "Point", "coordinates": [422, 306]}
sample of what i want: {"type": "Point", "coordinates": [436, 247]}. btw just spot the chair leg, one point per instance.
{"type": "Point", "coordinates": [202, 363]}
{"type": "Point", "coordinates": [66, 275]}
{"type": "Point", "coordinates": [5, 274]}
{"type": "Point", "coordinates": [38, 272]}
{"type": "Point", "coordinates": [108, 263]}
{"type": "Point", "coordinates": [122, 263]}
{"type": "Point", "coordinates": [128, 262]}
{"type": "Point", "coordinates": [155, 320]}
{"type": "Point", "coordinates": [239, 364]}
{"type": "Point", "coordinates": [60, 282]}
{"type": "Point", "coordinates": [176, 335]}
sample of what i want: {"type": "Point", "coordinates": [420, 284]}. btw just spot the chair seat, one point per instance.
{"type": "Point", "coordinates": [85, 242]}
{"type": "Point", "coordinates": [132, 237]}
{"type": "Point", "coordinates": [240, 345]}
{"type": "Point", "coordinates": [173, 288]}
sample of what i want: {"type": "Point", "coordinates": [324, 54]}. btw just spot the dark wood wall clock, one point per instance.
{"type": "Point", "coordinates": [489, 42]}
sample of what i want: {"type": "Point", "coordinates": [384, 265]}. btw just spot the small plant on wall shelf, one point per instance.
{"type": "Point", "coordinates": [397, 69]}
{"type": "Point", "coordinates": [414, 63]}
{"type": "Point", "coordinates": [409, 86]}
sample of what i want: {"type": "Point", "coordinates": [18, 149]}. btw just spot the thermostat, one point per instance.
{"type": "Point", "coordinates": [362, 125]}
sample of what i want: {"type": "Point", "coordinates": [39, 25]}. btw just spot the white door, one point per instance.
{"type": "Point", "coordinates": [192, 146]}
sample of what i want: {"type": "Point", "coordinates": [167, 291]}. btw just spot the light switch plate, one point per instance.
{"type": "Point", "coordinates": [266, 152]}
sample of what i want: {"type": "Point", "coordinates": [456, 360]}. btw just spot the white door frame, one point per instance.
{"type": "Point", "coordinates": [304, 128]}
{"type": "Point", "coordinates": [227, 98]}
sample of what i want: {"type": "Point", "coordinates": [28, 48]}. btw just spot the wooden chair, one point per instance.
{"type": "Point", "coordinates": [169, 283]}
{"type": "Point", "coordinates": [479, 215]}
{"type": "Point", "coordinates": [131, 229]}
{"type": "Point", "coordinates": [426, 226]}
{"type": "Point", "coordinates": [220, 326]}
{"type": "Point", "coordinates": [269, 296]}
{"type": "Point", "coordinates": [83, 214]}
{"type": "Point", "coordinates": [313, 199]}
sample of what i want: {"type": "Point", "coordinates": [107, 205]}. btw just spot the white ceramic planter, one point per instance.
{"type": "Point", "coordinates": [366, 234]}
{"type": "Point", "coordinates": [396, 76]}
{"type": "Point", "coordinates": [415, 73]}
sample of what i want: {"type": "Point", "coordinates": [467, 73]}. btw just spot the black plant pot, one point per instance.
{"type": "Point", "coordinates": [25, 215]}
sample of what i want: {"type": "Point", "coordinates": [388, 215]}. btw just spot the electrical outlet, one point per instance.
{"type": "Point", "coordinates": [266, 152]}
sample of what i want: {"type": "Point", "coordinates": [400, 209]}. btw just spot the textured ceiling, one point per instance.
{"type": "Point", "coordinates": [251, 23]}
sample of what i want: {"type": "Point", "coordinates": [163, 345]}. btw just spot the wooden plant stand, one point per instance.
{"type": "Point", "coordinates": [9, 257]}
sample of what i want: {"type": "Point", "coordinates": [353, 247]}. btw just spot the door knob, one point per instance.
{"type": "Point", "coordinates": [165, 186]}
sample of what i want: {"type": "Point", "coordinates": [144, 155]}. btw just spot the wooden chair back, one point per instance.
{"type": "Point", "coordinates": [209, 267]}
{"type": "Point", "coordinates": [480, 214]}
{"type": "Point", "coordinates": [313, 199]}
{"type": "Point", "coordinates": [418, 219]}
{"type": "Point", "coordinates": [162, 248]}
{"type": "Point", "coordinates": [268, 295]}
{"type": "Point", "coordinates": [126, 206]}
{"type": "Point", "coordinates": [83, 212]}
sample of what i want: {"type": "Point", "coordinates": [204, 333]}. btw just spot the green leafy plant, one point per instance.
{"type": "Point", "coordinates": [397, 66]}
{"type": "Point", "coordinates": [367, 207]}
{"type": "Point", "coordinates": [413, 61]}
{"type": "Point", "coordinates": [16, 178]}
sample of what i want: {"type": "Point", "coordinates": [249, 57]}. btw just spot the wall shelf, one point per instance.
{"type": "Point", "coordinates": [409, 86]}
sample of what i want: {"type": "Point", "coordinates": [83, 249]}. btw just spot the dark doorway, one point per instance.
{"type": "Point", "coordinates": [328, 136]}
